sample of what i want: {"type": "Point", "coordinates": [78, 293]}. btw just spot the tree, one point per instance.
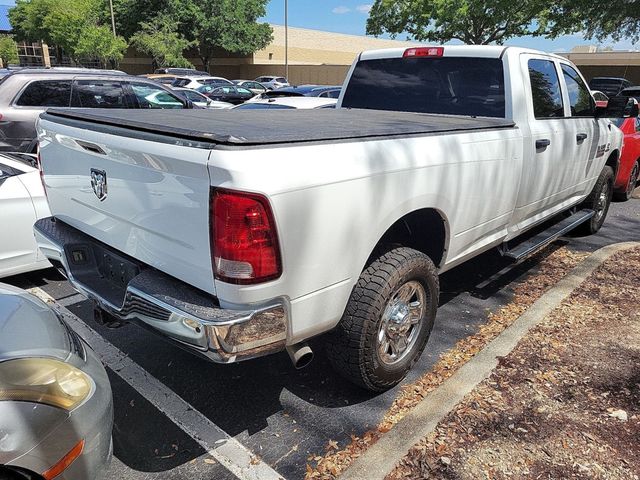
{"type": "Point", "coordinates": [230, 25]}
{"type": "Point", "coordinates": [8, 50]}
{"type": "Point", "coordinates": [616, 19]}
{"type": "Point", "coordinates": [98, 42]}
{"type": "Point", "coordinates": [212, 25]}
{"type": "Point", "coordinates": [471, 21]}
{"type": "Point", "coordinates": [159, 39]}
{"type": "Point", "coordinates": [65, 24]}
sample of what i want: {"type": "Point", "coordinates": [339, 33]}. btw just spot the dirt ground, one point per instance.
{"type": "Point", "coordinates": [564, 404]}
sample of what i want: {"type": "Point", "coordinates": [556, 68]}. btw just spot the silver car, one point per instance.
{"type": "Point", "coordinates": [25, 94]}
{"type": "Point", "coordinates": [56, 408]}
{"type": "Point", "coordinates": [273, 82]}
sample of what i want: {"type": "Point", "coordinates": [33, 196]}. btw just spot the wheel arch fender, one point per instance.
{"type": "Point", "coordinates": [424, 228]}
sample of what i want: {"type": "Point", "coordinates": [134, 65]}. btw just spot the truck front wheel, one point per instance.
{"type": "Point", "coordinates": [598, 200]}
{"type": "Point", "coordinates": [387, 321]}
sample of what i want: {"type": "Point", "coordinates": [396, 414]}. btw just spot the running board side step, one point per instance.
{"type": "Point", "coordinates": [529, 247]}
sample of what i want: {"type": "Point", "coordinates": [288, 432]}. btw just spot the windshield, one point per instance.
{"type": "Point", "coordinates": [447, 85]}
{"type": "Point", "coordinates": [25, 158]}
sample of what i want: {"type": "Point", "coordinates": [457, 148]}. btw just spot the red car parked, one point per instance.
{"type": "Point", "coordinates": [629, 171]}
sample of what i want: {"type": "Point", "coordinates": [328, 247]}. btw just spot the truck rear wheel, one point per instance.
{"type": "Point", "coordinates": [598, 200]}
{"type": "Point", "coordinates": [387, 321]}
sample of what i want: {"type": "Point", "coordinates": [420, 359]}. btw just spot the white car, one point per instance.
{"type": "Point", "coordinates": [284, 103]}
{"type": "Point", "coordinates": [196, 81]}
{"type": "Point", "coordinates": [273, 82]}
{"type": "Point", "coordinates": [202, 101]}
{"type": "Point", "coordinates": [22, 202]}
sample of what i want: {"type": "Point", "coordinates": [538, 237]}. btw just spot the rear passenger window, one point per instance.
{"type": "Point", "coordinates": [98, 94]}
{"type": "Point", "coordinates": [579, 95]}
{"type": "Point", "coordinates": [46, 93]}
{"type": "Point", "coordinates": [545, 87]}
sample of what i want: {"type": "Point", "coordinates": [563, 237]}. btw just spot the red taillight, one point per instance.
{"type": "Point", "coordinates": [244, 241]}
{"type": "Point", "coordinates": [424, 52]}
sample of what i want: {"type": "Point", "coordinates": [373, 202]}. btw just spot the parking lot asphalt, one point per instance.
{"type": "Point", "coordinates": [281, 415]}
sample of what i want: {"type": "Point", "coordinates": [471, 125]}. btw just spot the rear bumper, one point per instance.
{"type": "Point", "coordinates": [164, 304]}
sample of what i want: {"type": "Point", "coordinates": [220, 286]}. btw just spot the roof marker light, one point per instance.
{"type": "Point", "coordinates": [423, 52]}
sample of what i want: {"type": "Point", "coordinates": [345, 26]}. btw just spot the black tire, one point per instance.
{"type": "Point", "coordinates": [599, 200]}
{"type": "Point", "coordinates": [353, 346]}
{"type": "Point", "coordinates": [14, 473]}
{"type": "Point", "coordinates": [625, 195]}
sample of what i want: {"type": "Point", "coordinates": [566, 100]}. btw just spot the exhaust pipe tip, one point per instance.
{"type": "Point", "coordinates": [301, 355]}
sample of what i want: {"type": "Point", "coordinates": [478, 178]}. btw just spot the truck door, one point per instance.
{"type": "Point", "coordinates": [548, 177]}
{"type": "Point", "coordinates": [591, 134]}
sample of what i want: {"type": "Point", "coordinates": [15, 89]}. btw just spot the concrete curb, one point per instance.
{"type": "Point", "coordinates": [380, 459]}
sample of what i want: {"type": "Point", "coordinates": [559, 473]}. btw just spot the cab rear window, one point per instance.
{"type": "Point", "coordinates": [444, 85]}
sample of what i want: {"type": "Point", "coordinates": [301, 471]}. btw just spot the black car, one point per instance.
{"type": "Point", "coordinates": [610, 86]}
{"type": "Point", "coordinates": [324, 91]}
{"type": "Point", "coordinates": [631, 92]}
{"type": "Point", "coordinates": [226, 93]}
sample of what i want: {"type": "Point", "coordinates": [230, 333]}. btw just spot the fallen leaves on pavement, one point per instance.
{"type": "Point", "coordinates": [564, 404]}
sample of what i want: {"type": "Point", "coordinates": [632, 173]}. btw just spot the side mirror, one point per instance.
{"type": "Point", "coordinates": [618, 107]}
{"type": "Point", "coordinates": [209, 101]}
{"type": "Point", "coordinates": [188, 103]}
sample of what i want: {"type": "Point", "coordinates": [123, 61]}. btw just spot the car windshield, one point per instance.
{"type": "Point", "coordinates": [24, 158]}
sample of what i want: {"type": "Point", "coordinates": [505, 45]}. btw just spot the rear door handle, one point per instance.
{"type": "Point", "coordinates": [581, 137]}
{"type": "Point", "coordinates": [544, 143]}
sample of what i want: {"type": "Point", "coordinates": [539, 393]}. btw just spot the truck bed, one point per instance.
{"type": "Point", "coordinates": [238, 129]}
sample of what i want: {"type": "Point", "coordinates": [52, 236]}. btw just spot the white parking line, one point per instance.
{"type": "Point", "coordinates": [225, 449]}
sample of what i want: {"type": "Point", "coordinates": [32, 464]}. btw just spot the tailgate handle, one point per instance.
{"type": "Point", "coordinates": [91, 147]}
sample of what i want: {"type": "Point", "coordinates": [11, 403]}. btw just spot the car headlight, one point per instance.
{"type": "Point", "coordinates": [43, 380]}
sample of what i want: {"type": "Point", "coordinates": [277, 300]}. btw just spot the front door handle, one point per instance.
{"type": "Point", "coordinates": [581, 137]}
{"type": "Point", "coordinates": [541, 144]}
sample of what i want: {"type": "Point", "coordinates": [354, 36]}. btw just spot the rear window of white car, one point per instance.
{"type": "Point", "coordinates": [46, 93]}
{"type": "Point", "coordinates": [445, 85]}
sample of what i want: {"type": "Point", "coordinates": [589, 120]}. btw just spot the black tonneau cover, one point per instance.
{"type": "Point", "coordinates": [266, 127]}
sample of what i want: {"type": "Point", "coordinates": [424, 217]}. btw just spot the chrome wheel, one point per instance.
{"type": "Point", "coordinates": [401, 322]}
{"type": "Point", "coordinates": [602, 203]}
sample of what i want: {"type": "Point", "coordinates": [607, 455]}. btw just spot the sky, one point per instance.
{"type": "Point", "coordinates": [350, 16]}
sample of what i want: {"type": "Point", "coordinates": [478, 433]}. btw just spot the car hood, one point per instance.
{"type": "Point", "coordinates": [29, 328]}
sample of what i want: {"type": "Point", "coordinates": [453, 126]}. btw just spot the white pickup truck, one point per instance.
{"type": "Point", "coordinates": [243, 233]}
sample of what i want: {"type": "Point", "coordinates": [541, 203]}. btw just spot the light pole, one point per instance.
{"type": "Point", "coordinates": [286, 39]}
{"type": "Point", "coordinates": [113, 18]}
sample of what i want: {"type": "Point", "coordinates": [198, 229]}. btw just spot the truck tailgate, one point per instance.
{"type": "Point", "coordinates": [147, 199]}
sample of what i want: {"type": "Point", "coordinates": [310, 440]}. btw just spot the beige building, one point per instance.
{"type": "Point", "coordinates": [314, 57]}
{"type": "Point", "coordinates": [607, 64]}
{"type": "Point", "coordinates": [314, 47]}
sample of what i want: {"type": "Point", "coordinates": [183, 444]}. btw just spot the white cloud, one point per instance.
{"type": "Point", "coordinates": [366, 8]}
{"type": "Point", "coordinates": [341, 10]}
